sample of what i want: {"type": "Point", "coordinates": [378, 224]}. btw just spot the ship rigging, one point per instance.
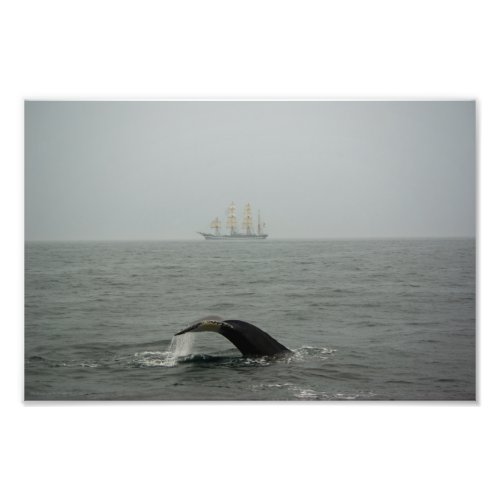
{"type": "Point", "coordinates": [247, 226]}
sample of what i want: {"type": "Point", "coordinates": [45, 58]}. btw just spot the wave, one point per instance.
{"type": "Point", "coordinates": [289, 390]}
{"type": "Point", "coordinates": [181, 352]}
{"type": "Point", "coordinates": [51, 363]}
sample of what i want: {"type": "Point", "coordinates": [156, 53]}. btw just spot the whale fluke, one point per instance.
{"type": "Point", "coordinates": [249, 339]}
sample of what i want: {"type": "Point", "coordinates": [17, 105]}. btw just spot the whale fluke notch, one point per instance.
{"type": "Point", "coordinates": [249, 339]}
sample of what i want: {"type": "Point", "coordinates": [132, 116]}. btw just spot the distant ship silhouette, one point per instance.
{"type": "Point", "coordinates": [232, 224]}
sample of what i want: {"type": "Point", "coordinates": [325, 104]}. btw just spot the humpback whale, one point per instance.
{"type": "Point", "coordinates": [250, 340]}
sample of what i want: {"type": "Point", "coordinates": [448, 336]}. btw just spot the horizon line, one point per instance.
{"type": "Point", "coordinates": [283, 238]}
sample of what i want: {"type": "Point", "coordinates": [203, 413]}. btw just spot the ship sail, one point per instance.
{"type": "Point", "coordinates": [232, 222]}
{"type": "Point", "coordinates": [216, 224]}
{"type": "Point", "coordinates": [247, 219]}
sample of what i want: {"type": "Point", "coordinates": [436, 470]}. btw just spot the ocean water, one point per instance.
{"type": "Point", "coordinates": [365, 319]}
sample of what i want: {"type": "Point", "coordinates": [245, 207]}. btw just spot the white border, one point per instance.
{"type": "Point", "coordinates": [218, 50]}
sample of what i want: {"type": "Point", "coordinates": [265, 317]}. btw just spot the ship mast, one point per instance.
{"type": "Point", "coordinates": [247, 219]}
{"type": "Point", "coordinates": [216, 224]}
{"type": "Point", "coordinates": [232, 223]}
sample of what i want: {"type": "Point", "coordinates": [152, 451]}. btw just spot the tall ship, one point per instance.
{"type": "Point", "coordinates": [247, 226]}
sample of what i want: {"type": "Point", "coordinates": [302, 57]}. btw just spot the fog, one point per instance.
{"type": "Point", "coordinates": [315, 169]}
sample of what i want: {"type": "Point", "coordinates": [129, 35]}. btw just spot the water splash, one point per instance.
{"type": "Point", "coordinates": [179, 347]}
{"type": "Point", "coordinates": [306, 352]}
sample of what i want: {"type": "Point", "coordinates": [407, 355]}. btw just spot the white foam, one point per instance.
{"type": "Point", "coordinates": [308, 394]}
{"type": "Point", "coordinates": [306, 352]}
{"type": "Point", "coordinates": [151, 358]}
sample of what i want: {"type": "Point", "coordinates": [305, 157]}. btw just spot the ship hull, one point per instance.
{"type": "Point", "coordinates": [245, 237]}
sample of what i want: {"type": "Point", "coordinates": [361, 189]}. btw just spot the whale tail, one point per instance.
{"type": "Point", "coordinates": [249, 339]}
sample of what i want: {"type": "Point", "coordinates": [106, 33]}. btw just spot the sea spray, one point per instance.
{"type": "Point", "coordinates": [180, 346]}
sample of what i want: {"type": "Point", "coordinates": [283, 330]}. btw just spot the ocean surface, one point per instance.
{"type": "Point", "coordinates": [365, 319]}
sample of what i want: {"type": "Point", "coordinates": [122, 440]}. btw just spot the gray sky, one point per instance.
{"type": "Point", "coordinates": [164, 170]}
